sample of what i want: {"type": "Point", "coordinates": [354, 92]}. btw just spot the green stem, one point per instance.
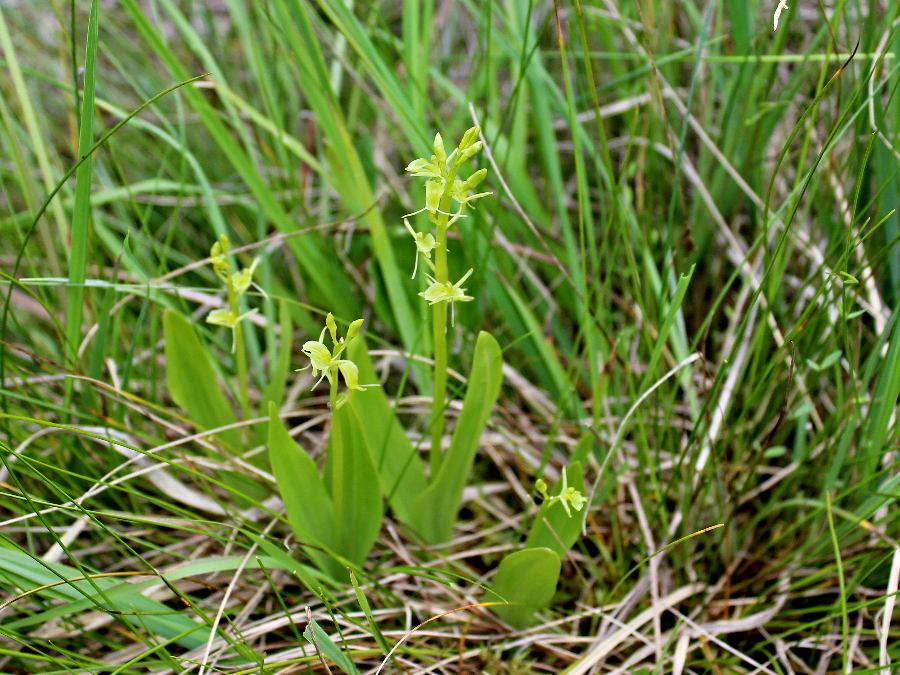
{"type": "Point", "coordinates": [337, 451]}
{"type": "Point", "coordinates": [240, 353]}
{"type": "Point", "coordinates": [439, 324]}
{"type": "Point", "coordinates": [332, 396]}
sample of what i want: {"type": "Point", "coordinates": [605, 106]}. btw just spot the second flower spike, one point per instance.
{"type": "Point", "coordinates": [327, 363]}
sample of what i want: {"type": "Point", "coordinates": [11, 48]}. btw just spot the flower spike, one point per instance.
{"type": "Point", "coordinates": [327, 363]}
{"type": "Point", "coordinates": [237, 284]}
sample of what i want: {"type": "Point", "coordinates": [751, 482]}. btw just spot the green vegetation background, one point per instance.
{"type": "Point", "coordinates": [670, 179]}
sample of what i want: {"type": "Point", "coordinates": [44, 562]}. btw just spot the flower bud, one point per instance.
{"type": "Point", "coordinates": [471, 151]}
{"type": "Point", "coordinates": [353, 330]}
{"type": "Point", "coordinates": [332, 327]}
{"type": "Point", "coordinates": [468, 138]}
{"type": "Point", "coordinates": [440, 155]}
{"type": "Point", "coordinates": [475, 179]}
{"type": "Point", "coordinates": [433, 190]}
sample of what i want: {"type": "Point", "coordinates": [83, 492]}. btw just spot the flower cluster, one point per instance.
{"type": "Point", "coordinates": [442, 190]}
{"type": "Point", "coordinates": [236, 283]}
{"type": "Point", "coordinates": [568, 496]}
{"type": "Point", "coordinates": [327, 363]}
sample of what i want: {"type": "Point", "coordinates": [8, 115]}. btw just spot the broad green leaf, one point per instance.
{"type": "Point", "coordinates": [437, 507]}
{"type": "Point", "coordinates": [354, 487]}
{"type": "Point", "coordinates": [319, 639]}
{"type": "Point", "coordinates": [527, 581]}
{"type": "Point", "coordinates": [307, 505]}
{"type": "Point", "coordinates": [554, 529]}
{"type": "Point", "coordinates": [192, 381]}
{"type": "Point", "coordinates": [396, 460]}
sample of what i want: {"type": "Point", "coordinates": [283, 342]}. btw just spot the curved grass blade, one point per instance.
{"type": "Point", "coordinates": [28, 574]}
{"type": "Point", "coordinates": [319, 639]}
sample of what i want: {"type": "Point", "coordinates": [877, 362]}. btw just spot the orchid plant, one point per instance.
{"type": "Point", "coordinates": [236, 283]}
{"type": "Point", "coordinates": [336, 510]}
{"type": "Point", "coordinates": [446, 199]}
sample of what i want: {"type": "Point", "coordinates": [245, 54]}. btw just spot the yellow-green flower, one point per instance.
{"type": "Point", "coordinates": [240, 281]}
{"type": "Point", "coordinates": [422, 167]}
{"type": "Point", "coordinates": [218, 256]}
{"type": "Point", "coordinates": [424, 245]}
{"type": "Point", "coordinates": [446, 292]}
{"type": "Point", "coordinates": [327, 363]}
{"type": "Point", "coordinates": [243, 280]}
{"type": "Point", "coordinates": [571, 497]}
{"type": "Point", "coordinates": [440, 170]}
{"type": "Point", "coordinates": [237, 284]}
{"type": "Point", "coordinates": [568, 497]}
{"type": "Point", "coordinates": [229, 319]}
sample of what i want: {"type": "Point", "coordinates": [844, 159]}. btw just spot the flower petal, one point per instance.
{"type": "Point", "coordinates": [222, 317]}
{"type": "Point", "coordinates": [332, 327]}
{"type": "Point", "coordinates": [351, 374]}
{"type": "Point", "coordinates": [318, 354]}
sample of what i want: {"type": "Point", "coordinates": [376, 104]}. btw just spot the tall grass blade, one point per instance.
{"type": "Point", "coordinates": [81, 213]}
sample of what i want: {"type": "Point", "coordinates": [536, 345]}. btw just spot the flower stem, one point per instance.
{"type": "Point", "coordinates": [439, 323]}
{"type": "Point", "coordinates": [336, 450]}
{"type": "Point", "coordinates": [332, 394]}
{"type": "Point", "coordinates": [240, 353]}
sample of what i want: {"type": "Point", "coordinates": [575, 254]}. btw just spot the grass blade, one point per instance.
{"type": "Point", "coordinates": [81, 213]}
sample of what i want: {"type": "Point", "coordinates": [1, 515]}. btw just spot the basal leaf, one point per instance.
{"type": "Point", "coordinates": [437, 507]}
{"type": "Point", "coordinates": [354, 487]}
{"type": "Point", "coordinates": [307, 504]}
{"type": "Point", "coordinates": [396, 460]}
{"type": "Point", "coordinates": [192, 381]}
{"type": "Point", "coordinates": [526, 580]}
